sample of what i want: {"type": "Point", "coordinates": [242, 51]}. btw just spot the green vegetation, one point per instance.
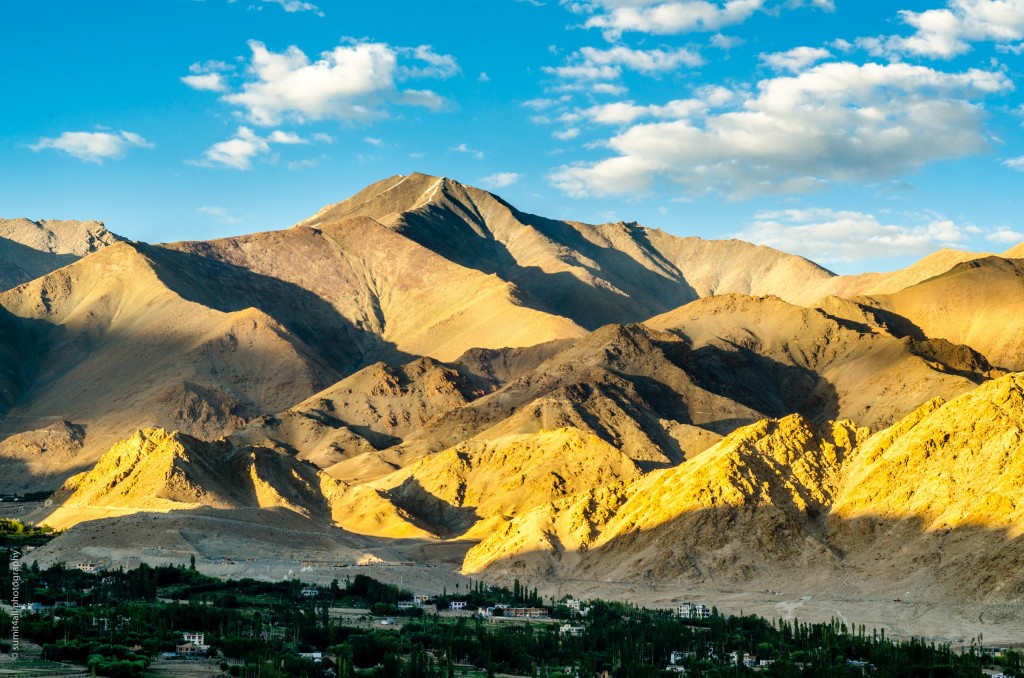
{"type": "Point", "coordinates": [116, 622]}
{"type": "Point", "coordinates": [13, 532]}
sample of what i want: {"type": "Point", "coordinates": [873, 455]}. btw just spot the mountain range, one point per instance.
{"type": "Point", "coordinates": [424, 373]}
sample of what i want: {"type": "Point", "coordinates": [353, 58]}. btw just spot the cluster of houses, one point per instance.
{"type": "Point", "coordinates": [193, 646]}
{"type": "Point", "coordinates": [748, 660]}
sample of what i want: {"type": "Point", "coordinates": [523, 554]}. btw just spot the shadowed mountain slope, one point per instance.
{"type": "Point", "coordinates": [106, 345]}
{"type": "Point", "coordinates": [596, 275]}
{"type": "Point", "coordinates": [979, 303]}
{"type": "Point", "coordinates": [782, 359]}
{"type": "Point", "coordinates": [30, 249]}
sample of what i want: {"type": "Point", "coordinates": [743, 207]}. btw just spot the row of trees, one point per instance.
{"type": "Point", "coordinates": [261, 627]}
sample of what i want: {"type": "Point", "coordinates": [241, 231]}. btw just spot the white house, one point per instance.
{"type": "Point", "coordinates": [195, 637]}
{"type": "Point", "coordinates": [457, 605]}
{"type": "Point", "coordinates": [693, 611]}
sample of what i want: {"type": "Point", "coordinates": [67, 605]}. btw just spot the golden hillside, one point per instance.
{"type": "Point", "coordinates": [930, 505]}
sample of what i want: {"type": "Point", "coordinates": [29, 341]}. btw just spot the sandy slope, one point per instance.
{"type": "Point", "coordinates": [107, 346]}
{"type": "Point", "coordinates": [979, 303]}
{"type": "Point", "coordinates": [779, 358]}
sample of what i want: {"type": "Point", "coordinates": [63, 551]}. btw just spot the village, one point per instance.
{"type": "Point", "coordinates": [175, 621]}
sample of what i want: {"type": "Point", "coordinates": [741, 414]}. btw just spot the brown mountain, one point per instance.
{"type": "Point", "coordinates": [979, 303]}
{"type": "Point", "coordinates": [30, 249]}
{"type": "Point", "coordinates": [596, 275]}
{"type": "Point", "coordinates": [422, 368]}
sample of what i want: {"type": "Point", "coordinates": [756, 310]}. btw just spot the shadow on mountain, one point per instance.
{"type": "Point", "coordinates": [466, 240]}
{"type": "Point", "coordinates": [23, 344]}
{"type": "Point", "coordinates": [242, 537]}
{"type": "Point", "coordinates": [763, 384]}
{"type": "Point", "coordinates": [750, 549]}
{"type": "Point", "coordinates": [20, 263]}
{"type": "Point", "coordinates": [229, 288]}
{"type": "Point", "coordinates": [430, 511]}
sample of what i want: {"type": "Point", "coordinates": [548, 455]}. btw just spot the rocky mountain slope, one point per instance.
{"type": "Point", "coordinates": [30, 249]}
{"type": "Point", "coordinates": [930, 504]}
{"type": "Point", "coordinates": [426, 372]}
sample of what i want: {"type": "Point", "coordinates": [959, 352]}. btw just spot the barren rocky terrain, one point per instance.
{"type": "Point", "coordinates": [423, 383]}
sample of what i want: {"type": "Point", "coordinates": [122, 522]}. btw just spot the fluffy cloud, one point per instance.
{"type": "Point", "coordinates": [626, 112]}
{"type": "Point", "coordinates": [354, 81]}
{"type": "Point", "coordinates": [93, 146]}
{"type": "Point", "coordinates": [614, 17]}
{"type": "Point", "coordinates": [499, 180]}
{"type": "Point", "coordinates": [947, 32]}
{"type": "Point", "coordinates": [834, 122]}
{"type": "Point", "coordinates": [1015, 163]}
{"type": "Point", "coordinates": [207, 76]}
{"type": "Point", "coordinates": [829, 236]}
{"type": "Point", "coordinates": [595, 69]}
{"type": "Point", "coordinates": [239, 151]}
{"type": "Point", "coordinates": [796, 59]}
{"type": "Point", "coordinates": [1006, 236]}
{"type": "Point", "coordinates": [297, 6]}
{"type": "Point", "coordinates": [210, 82]}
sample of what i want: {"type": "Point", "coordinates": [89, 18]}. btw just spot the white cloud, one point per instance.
{"type": "Point", "coordinates": [834, 122]}
{"type": "Point", "coordinates": [308, 163]}
{"type": "Point", "coordinates": [207, 76]}
{"type": "Point", "coordinates": [209, 82]}
{"type": "Point", "coordinates": [1015, 163]}
{"type": "Point", "coordinates": [725, 42]}
{"type": "Point", "coordinates": [830, 236]}
{"type": "Point", "coordinates": [297, 6]}
{"type": "Point", "coordinates": [434, 65]}
{"type": "Point", "coordinates": [607, 88]}
{"type": "Point", "coordinates": [626, 112]}
{"type": "Point", "coordinates": [544, 104]}
{"type": "Point", "coordinates": [824, 5]}
{"type": "Point", "coordinates": [93, 146]}
{"type": "Point", "coordinates": [796, 59]}
{"type": "Point", "coordinates": [590, 63]}
{"type": "Point", "coordinates": [463, 148]}
{"type": "Point", "coordinates": [947, 32]}
{"type": "Point", "coordinates": [483, 77]}
{"type": "Point", "coordinates": [500, 180]}
{"type": "Point", "coordinates": [354, 81]}
{"type": "Point", "coordinates": [1005, 236]}
{"type": "Point", "coordinates": [373, 141]}
{"type": "Point", "coordinates": [614, 17]}
{"type": "Point", "coordinates": [240, 151]}
{"type": "Point", "coordinates": [221, 214]}
{"type": "Point", "coordinates": [567, 134]}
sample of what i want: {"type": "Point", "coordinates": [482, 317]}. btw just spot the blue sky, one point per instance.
{"type": "Point", "coordinates": [863, 135]}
